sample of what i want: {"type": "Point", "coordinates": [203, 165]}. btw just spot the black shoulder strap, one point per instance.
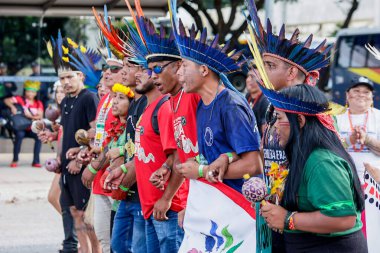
{"type": "Point", "coordinates": [155, 114]}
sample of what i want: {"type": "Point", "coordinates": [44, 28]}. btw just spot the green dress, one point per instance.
{"type": "Point", "coordinates": [327, 186]}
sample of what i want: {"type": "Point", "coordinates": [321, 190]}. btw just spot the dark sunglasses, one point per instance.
{"type": "Point", "coordinates": [113, 69]}
{"type": "Point", "coordinates": [148, 72]}
{"type": "Point", "coordinates": [158, 69]}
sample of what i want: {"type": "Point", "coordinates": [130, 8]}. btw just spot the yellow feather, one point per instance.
{"type": "Point", "coordinates": [258, 59]}
{"type": "Point", "coordinates": [65, 50]}
{"type": "Point", "coordinates": [83, 49]}
{"type": "Point", "coordinates": [49, 48]}
{"type": "Point", "coordinates": [231, 53]}
{"type": "Point", "coordinates": [66, 59]}
{"type": "Point", "coordinates": [72, 43]}
{"type": "Point", "coordinates": [198, 35]}
{"type": "Point", "coordinates": [336, 109]}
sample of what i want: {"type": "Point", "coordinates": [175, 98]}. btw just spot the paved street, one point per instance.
{"type": "Point", "coordinates": [28, 224]}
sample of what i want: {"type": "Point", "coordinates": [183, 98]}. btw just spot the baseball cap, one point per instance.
{"type": "Point", "coordinates": [362, 80]}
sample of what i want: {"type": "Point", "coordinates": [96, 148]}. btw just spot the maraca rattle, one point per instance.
{"type": "Point", "coordinates": [82, 138]}
{"type": "Point", "coordinates": [254, 189]}
{"type": "Point", "coordinates": [37, 127]}
{"type": "Point", "coordinates": [52, 113]}
{"type": "Point", "coordinates": [52, 165]}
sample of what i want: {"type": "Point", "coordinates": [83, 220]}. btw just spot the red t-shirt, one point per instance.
{"type": "Point", "coordinates": [34, 108]}
{"type": "Point", "coordinates": [185, 124]}
{"type": "Point", "coordinates": [150, 153]}
{"type": "Point", "coordinates": [96, 187]}
{"type": "Point", "coordinates": [184, 107]}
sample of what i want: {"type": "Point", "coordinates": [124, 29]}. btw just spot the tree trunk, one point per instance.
{"type": "Point", "coordinates": [354, 6]}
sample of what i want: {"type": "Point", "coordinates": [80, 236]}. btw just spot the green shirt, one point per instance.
{"type": "Point", "coordinates": [327, 186]}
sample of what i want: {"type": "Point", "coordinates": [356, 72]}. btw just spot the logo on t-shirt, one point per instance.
{"type": "Point", "coordinates": [209, 137]}
{"type": "Point", "coordinates": [182, 141]}
{"type": "Point", "coordinates": [140, 152]}
{"type": "Point", "coordinates": [129, 147]}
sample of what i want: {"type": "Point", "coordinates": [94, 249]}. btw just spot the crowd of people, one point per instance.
{"type": "Point", "coordinates": [18, 111]}
{"type": "Point", "coordinates": [155, 160]}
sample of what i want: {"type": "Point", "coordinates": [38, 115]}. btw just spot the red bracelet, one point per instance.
{"type": "Point", "coordinates": [291, 225]}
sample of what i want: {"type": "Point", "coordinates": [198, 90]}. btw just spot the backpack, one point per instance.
{"type": "Point", "coordinates": [154, 119]}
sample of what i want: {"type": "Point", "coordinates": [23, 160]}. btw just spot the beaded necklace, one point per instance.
{"type": "Point", "coordinates": [179, 100]}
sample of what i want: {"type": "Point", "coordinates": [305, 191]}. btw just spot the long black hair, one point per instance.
{"type": "Point", "coordinates": [302, 142]}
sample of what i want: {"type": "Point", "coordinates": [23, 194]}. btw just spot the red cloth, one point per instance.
{"type": "Point", "coordinates": [185, 130]}
{"type": "Point", "coordinates": [34, 108]}
{"type": "Point", "coordinates": [150, 153]}
{"type": "Point", "coordinates": [59, 136]}
{"type": "Point", "coordinates": [97, 187]}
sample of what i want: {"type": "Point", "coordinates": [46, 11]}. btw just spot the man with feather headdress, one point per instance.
{"type": "Point", "coordinates": [75, 67]}
{"type": "Point", "coordinates": [286, 62]}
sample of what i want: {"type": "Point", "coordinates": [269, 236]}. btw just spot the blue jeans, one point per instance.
{"type": "Point", "coordinates": [19, 136]}
{"type": "Point", "coordinates": [163, 236]}
{"type": "Point", "coordinates": [128, 233]}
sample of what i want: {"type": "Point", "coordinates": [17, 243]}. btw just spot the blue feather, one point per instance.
{"type": "Point", "coordinates": [59, 43]}
{"type": "Point", "coordinates": [108, 27]}
{"type": "Point", "coordinates": [299, 53]}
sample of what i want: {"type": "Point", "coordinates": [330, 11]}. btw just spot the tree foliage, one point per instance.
{"type": "Point", "coordinates": [222, 25]}
{"type": "Point", "coordinates": [19, 39]}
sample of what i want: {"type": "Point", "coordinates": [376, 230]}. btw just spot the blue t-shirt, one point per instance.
{"type": "Point", "coordinates": [226, 125]}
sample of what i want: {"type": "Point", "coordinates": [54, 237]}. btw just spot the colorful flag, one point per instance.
{"type": "Point", "coordinates": [218, 219]}
{"type": "Point", "coordinates": [371, 226]}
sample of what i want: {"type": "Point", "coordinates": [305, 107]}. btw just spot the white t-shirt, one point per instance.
{"type": "Point", "coordinates": [373, 131]}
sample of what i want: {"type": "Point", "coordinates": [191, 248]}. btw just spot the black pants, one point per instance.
{"type": "Point", "coordinates": [70, 243]}
{"type": "Point", "coordinates": [19, 136]}
{"type": "Point", "coordinates": [311, 243]}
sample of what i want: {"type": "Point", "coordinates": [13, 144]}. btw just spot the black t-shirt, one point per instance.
{"type": "Point", "coordinates": [77, 113]}
{"type": "Point", "coordinates": [259, 109]}
{"type": "Point", "coordinates": [271, 148]}
{"type": "Point", "coordinates": [134, 112]}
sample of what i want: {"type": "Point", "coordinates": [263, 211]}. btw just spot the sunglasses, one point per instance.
{"type": "Point", "coordinates": [147, 71]}
{"type": "Point", "coordinates": [113, 69]}
{"type": "Point", "coordinates": [158, 69]}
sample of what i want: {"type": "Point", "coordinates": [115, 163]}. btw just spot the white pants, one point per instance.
{"type": "Point", "coordinates": [102, 220]}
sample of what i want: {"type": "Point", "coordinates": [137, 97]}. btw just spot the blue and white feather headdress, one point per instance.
{"type": "Point", "coordinates": [68, 56]}
{"type": "Point", "coordinates": [194, 48]}
{"type": "Point", "coordinates": [161, 46]}
{"type": "Point", "coordinates": [290, 104]}
{"type": "Point", "coordinates": [289, 50]}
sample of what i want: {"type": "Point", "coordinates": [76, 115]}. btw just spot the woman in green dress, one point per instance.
{"type": "Point", "coordinates": [322, 199]}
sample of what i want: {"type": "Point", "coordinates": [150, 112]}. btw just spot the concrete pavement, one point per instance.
{"type": "Point", "coordinates": [28, 224]}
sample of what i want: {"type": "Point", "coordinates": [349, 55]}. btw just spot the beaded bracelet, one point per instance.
{"type": "Point", "coordinates": [200, 170]}
{"type": "Point", "coordinates": [124, 169]}
{"type": "Point", "coordinates": [91, 169]}
{"type": "Point", "coordinates": [121, 150]}
{"type": "Point", "coordinates": [124, 189]}
{"type": "Point", "coordinates": [229, 156]}
{"type": "Point", "coordinates": [289, 221]}
{"type": "Point", "coordinates": [198, 159]}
